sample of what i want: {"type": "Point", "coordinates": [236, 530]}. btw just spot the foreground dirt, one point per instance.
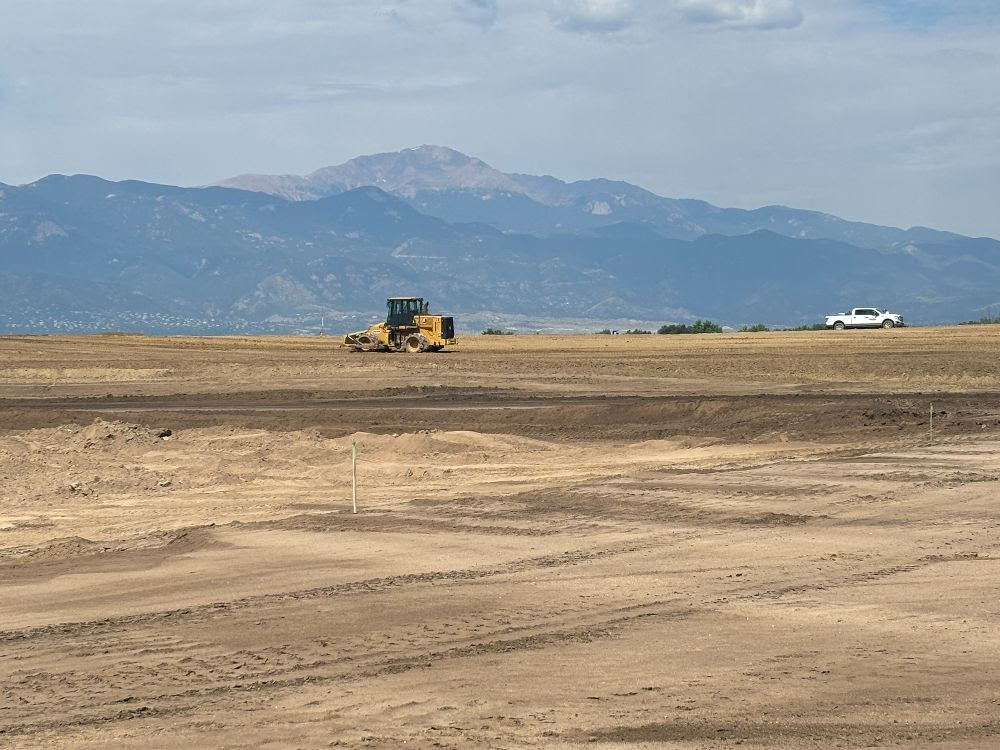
{"type": "Point", "coordinates": [685, 542]}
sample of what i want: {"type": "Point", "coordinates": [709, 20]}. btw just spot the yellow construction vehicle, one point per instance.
{"type": "Point", "coordinates": [408, 326]}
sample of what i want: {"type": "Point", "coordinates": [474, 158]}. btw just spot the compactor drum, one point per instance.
{"type": "Point", "coordinates": [408, 327]}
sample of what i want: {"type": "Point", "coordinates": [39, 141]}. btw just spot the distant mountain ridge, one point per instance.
{"type": "Point", "coordinates": [447, 184]}
{"type": "Point", "coordinates": [79, 253]}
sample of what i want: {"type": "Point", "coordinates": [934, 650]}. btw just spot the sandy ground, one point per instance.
{"type": "Point", "coordinates": [621, 542]}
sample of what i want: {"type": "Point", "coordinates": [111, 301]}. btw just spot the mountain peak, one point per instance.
{"type": "Point", "coordinates": [409, 171]}
{"type": "Point", "coordinates": [429, 153]}
{"type": "Point", "coordinates": [406, 172]}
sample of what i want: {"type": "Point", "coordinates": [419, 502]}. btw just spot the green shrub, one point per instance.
{"type": "Point", "coordinates": [497, 332]}
{"type": "Point", "coordinates": [706, 326]}
{"type": "Point", "coordinates": [756, 328]}
{"type": "Point", "coordinates": [637, 332]}
{"type": "Point", "coordinates": [699, 326]}
{"type": "Point", "coordinates": [983, 321]}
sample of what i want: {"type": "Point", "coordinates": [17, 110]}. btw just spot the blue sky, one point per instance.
{"type": "Point", "coordinates": [877, 110]}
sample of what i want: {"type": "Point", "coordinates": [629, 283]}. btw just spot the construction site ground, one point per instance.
{"type": "Point", "coordinates": [753, 540]}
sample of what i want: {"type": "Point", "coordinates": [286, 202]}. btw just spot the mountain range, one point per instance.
{"type": "Point", "coordinates": [447, 184]}
{"type": "Point", "coordinates": [288, 253]}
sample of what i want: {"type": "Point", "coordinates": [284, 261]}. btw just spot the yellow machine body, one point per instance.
{"type": "Point", "coordinates": [408, 327]}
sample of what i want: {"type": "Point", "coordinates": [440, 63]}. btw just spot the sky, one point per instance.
{"type": "Point", "coordinates": [874, 110]}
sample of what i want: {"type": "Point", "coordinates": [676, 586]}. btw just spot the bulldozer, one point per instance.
{"type": "Point", "coordinates": [409, 326]}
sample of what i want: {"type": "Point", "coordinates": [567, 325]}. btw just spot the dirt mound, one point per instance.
{"type": "Point", "coordinates": [56, 549]}
{"type": "Point", "coordinates": [181, 540]}
{"type": "Point", "coordinates": [101, 432]}
{"type": "Point", "coordinates": [441, 442]}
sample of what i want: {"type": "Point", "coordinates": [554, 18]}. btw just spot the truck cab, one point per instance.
{"type": "Point", "coordinates": [402, 310]}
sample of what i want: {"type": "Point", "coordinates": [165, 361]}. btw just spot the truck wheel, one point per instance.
{"type": "Point", "coordinates": [838, 326]}
{"type": "Point", "coordinates": [414, 344]}
{"type": "Point", "coordinates": [887, 324]}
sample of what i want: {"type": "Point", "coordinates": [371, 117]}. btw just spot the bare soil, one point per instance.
{"type": "Point", "coordinates": [624, 542]}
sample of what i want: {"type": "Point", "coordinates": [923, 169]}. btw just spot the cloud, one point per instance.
{"type": "Point", "coordinates": [424, 16]}
{"type": "Point", "coordinates": [480, 12]}
{"type": "Point", "coordinates": [609, 16]}
{"type": "Point", "coordinates": [745, 14]}
{"type": "Point", "coordinates": [596, 16]}
{"type": "Point", "coordinates": [858, 112]}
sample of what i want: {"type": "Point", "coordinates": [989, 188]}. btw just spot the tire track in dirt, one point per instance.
{"type": "Point", "coordinates": [601, 625]}
{"type": "Point", "coordinates": [352, 666]}
{"type": "Point", "coordinates": [863, 577]}
{"type": "Point", "coordinates": [819, 733]}
{"type": "Point", "coordinates": [573, 557]}
{"type": "Point", "coordinates": [598, 626]}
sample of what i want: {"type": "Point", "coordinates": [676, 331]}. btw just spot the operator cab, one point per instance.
{"type": "Point", "coordinates": [403, 309]}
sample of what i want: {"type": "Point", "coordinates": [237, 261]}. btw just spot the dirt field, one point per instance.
{"type": "Point", "coordinates": [620, 542]}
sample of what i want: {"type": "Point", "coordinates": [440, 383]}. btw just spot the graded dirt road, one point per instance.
{"type": "Point", "coordinates": [622, 542]}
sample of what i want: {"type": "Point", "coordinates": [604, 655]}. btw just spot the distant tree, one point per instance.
{"type": "Point", "coordinates": [497, 332]}
{"type": "Point", "coordinates": [756, 328]}
{"type": "Point", "coordinates": [813, 327]}
{"type": "Point", "coordinates": [605, 332]}
{"type": "Point", "coordinates": [699, 326]}
{"type": "Point", "coordinates": [983, 321]}
{"type": "Point", "coordinates": [705, 326]}
{"type": "Point", "coordinates": [637, 332]}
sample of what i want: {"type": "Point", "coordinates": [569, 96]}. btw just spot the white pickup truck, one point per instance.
{"type": "Point", "coordinates": [864, 317]}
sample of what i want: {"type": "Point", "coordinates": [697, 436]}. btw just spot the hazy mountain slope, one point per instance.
{"type": "Point", "coordinates": [457, 188]}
